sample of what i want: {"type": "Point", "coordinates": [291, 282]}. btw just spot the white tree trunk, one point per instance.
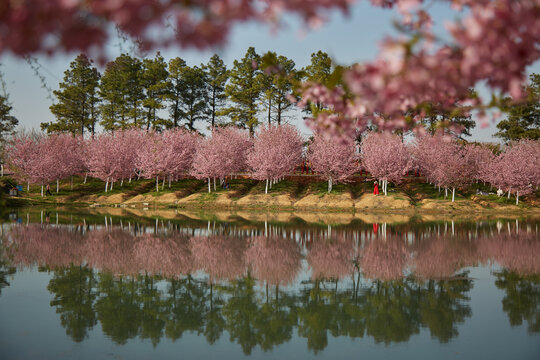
{"type": "Point", "coordinates": [41, 189]}
{"type": "Point", "coordinates": [28, 186]}
{"type": "Point", "coordinates": [1, 170]}
{"type": "Point", "coordinates": [453, 193]}
{"type": "Point", "coordinates": [85, 175]}
{"type": "Point", "coordinates": [509, 192]}
{"type": "Point", "coordinates": [163, 184]}
{"type": "Point", "coordinates": [129, 179]}
{"type": "Point", "coordinates": [208, 184]}
{"type": "Point", "coordinates": [214, 184]}
{"type": "Point", "coordinates": [329, 185]}
{"type": "Point", "coordinates": [170, 181]}
{"type": "Point", "coordinates": [112, 184]}
{"type": "Point", "coordinates": [517, 198]}
{"type": "Point", "coordinates": [266, 187]}
{"type": "Point", "coordinates": [445, 192]}
{"type": "Point", "coordinates": [106, 184]}
{"type": "Point", "coordinates": [57, 185]}
{"type": "Point", "coordinates": [157, 183]}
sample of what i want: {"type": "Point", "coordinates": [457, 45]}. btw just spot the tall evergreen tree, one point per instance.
{"type": "Point", "coordinates": [278, 78]}
{"type": "Point", "coordinates": [319, 71]}
{"type": "Point", "coordinates": [244, 90]}
{"type": "Point", "coordinates": [77, 106]}
{"type": "Point", "coordinates": [176, 84]}
{"type": "Point", "coordinates": [523, 120]}
{"type": "Point", "coordinates": [154, 81]}
{"type": "Point", "coordinates": [194, 96]}
{"type": "Point", "coordinates": [8, 122]}
{"type": "Point", "coordinates": [216, 78]}
{"type": "Point", "coordinates": [121, 91]}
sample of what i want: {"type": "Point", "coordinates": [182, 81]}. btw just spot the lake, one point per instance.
{"type": "Point", "coordinates": [93, 285]}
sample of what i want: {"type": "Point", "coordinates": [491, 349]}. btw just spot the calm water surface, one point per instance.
{"type": "Point", "coordinates": [93, 286]}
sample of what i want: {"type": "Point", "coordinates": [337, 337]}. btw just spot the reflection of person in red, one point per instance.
{"type": "Point", "coordinates": [375, 228]}
{"type": "Point", "coordinates": [376, 189]}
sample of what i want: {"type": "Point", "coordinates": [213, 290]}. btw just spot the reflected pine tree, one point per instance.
{"type": "Point", "coordinates": [153, 310]}
{"type": "Point", "coordinates": [6, 270]}
{"type": "Point", "coordinates": [522, 298]}
{"type": "Point", "coordinates": [118, 307]}
{"type": "Point", "coordinates": [186, 307]}
{"type": "Point", "coordinates": [73, 299]}
{"type": "Point", "coordinates": [443, 306]}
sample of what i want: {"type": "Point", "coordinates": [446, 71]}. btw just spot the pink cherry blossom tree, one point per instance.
{"type": "Point", "coordinates": [221, 257]}
{"type": "Point", "coordinates": [386, 157]}
{"type": "Point", "coordinates": [102, 158]}
{"type": "Point", "coordinates": [277, 150]}
{"type": "Point", "coordinates": [179, 151]}
{"type": "Point", "coordinates": [222, 154]}
{"type": "Point", "coordinates": [150, 157]}
{"type": "Point", "coordinates": [335, 161]}
{"type": "Point", "coordinates": [518, 167]}
{"type": "Point", "coordinates": [384, 260]}
{"type": "Point", "coordinates": [20, 153]}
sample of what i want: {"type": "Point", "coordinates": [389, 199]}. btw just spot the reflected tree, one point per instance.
{"type": "Point", "coordinates": [74, 295]}
{"type": "Point", "coordinates": [522, 298]}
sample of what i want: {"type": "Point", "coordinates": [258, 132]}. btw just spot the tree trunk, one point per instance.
{"type": "Point", "coordinates": [57, 185]}
{"type": "Point", "coordinates": [509, 192]}
{"type": "Point", "coordinates": [71, 182]}
{"type": "Point", "coordinates": [266, 188]}
{"type": "Point", "coordinates": [41, 189]}
{"type": "Point", "coordinates": [106, 184]}
{"type": "Point", "coordinates": [170, 181]}
{"type": "Point", "coordinates": [214, 184]}
{"type": "Point", "coordinates": [122, 182]}
{"type": "Point", "coordinates": [1, 170]}
{"type": "Point", "coordinates": [157, 183]}
{"type": "Point", "coordinates": [517, 198]}
{"type": "Point", "coordinates": [85, 175]}
{"type": "Point", "coordinates": [28, 186]}
{"type": "Point", "coordinates": [453, 193]}
{"type": "Point", "coordinates": [208, 184]}
{"type": "Point", "coordinates": [112, 184]}
{"type": "Point", "coordinates": [445, 192]}
{"type": "Point", "coordinates": [329, 185]}
{"type": "Point", "coordinates": [163, 184]}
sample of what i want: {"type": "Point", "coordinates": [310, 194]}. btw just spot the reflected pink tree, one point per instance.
{"type": "Point", "coordinates": [221, 257]}
{"type": "Point", "coordinates": [275, 260]}
{"type": "Point", "coordinates": [384, 259]}
{"type": "Point", "coordinates": [332, 258]}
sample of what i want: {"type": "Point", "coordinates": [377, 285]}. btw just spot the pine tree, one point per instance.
{"type": "Point", "coordinates": [122, 93]}
{"type": "Point", "coordinates": [319, 71]}
{"type": "Point", "coordinates": [176, 84]}
{"type": "Point", "coordinates": [278, 79]}
{"type": "Point", "coordinates": [8, 122]}
{"type": "Point", "coordinates": [76, 109]}
{"type": "Point", "coordinates": [244, 90]}
{"type": "Point", "coordinates": [154, 81]}
{"type": "Point", "coordinates": [523, 120]}
{"type": "Point", "coordinates": [193, 96]}
{"type": "Point", "coordinates": [216, 78]}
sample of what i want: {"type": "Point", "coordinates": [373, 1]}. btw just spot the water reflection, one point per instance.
{"type": "Point", "coordinates": [260, 286]}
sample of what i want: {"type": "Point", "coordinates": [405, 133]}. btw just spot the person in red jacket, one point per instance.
{"type": "Point", "coordinates": [376, 188]}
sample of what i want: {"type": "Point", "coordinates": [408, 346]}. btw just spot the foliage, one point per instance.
{"type": "Point", "coordinates": [77, 106]}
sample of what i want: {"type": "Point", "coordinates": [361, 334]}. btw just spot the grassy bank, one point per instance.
{"type": "Point", "coordinates": [299, 192]}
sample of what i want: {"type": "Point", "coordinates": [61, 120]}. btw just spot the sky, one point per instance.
{"type": "Point", "coordinates": [347, 39]}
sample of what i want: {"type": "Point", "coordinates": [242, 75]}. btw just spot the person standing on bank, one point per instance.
{"type": "Point", "coordinates": [48, 192]}
{"type": "Point", "coordinates": [376, 188]}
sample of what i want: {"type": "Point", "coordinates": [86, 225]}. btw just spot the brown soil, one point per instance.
{"type": "Point", "coordinates": [394, 201]}
{"type": "Point", "coordinates": [313, 201]}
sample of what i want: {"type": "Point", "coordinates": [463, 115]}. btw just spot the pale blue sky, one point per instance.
{"type": "Point", "coordinates": [347, 39]}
